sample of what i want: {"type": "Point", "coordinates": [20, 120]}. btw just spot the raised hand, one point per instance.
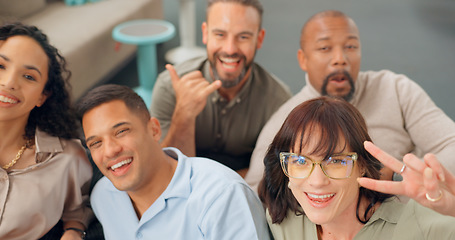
{"type": "Point", "coordinates": [427, 182]}
{"type": "Point", "coordinates": [191, 91]}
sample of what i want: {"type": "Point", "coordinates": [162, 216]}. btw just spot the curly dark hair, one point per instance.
{"type": "Point", "coordinates": [334, 118]}
{"type": "Point", "coordinates": [56, 116]}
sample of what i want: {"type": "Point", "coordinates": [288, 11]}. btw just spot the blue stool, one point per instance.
{"type": "Point", "coordinates": [145, 33]}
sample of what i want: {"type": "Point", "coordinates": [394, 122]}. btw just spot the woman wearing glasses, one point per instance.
{"type": "Point", "coordinates": [310, 183]}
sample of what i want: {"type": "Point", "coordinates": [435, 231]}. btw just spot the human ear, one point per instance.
{"type": "Point", "coordinates": [302, 59]}
{"type": "Point", "coordinates": [154, 127]}
{"type": "Point", "coordinates": [42, 99]}
{"type": "Point", "coordinates": [260, 39]}
{"type": "Point", "coordinates": [204, 32]}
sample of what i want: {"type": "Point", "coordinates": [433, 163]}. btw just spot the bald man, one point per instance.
{"type": "Point", "coordinates": [401, 117]}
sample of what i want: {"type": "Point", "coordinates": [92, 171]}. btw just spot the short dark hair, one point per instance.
{"type": "Point", "coordinates": [334, 118]}
{"type": "Point", "coordinates": [248, 3]}
{"type": "Point", "coordinates": [110, 92]}
{"type": "Point", "coordinates": [55, 116]}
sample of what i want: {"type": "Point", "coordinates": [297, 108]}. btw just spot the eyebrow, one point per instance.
{"type": "Point", "coordinates": [224, 31]}
{"type": "Point", "coordinates": [113, 127]}
{"type": "Point", "coordinates": [4, 57]}
{"type": "Point", "coordinates": [328, 38]}
{"type": "Point", "coordinates": [246, 32]}
{"type": "Point", "coordinates": [30, 67]}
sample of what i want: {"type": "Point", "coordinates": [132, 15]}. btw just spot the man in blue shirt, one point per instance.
{"type": "Point", "coordinates": [154, 193]}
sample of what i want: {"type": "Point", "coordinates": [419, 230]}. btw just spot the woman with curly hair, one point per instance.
{"type": "Point", "coordinates": [45, 174]}
{"type": "Point", "coordinates": [310, 186]}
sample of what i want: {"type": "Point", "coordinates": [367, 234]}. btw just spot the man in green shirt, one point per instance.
{"type": "Point", "coordinates": [215, 106]}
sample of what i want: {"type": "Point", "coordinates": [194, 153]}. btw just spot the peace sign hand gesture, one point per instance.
{"type": "Point", "coordinates": [427, 182]}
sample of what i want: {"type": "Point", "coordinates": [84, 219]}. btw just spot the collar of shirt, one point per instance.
{"type": "Point", "coordinates": [389, 211]}
{"type": "Point", "coordinates": [46, 146]}
{"type": "Point", "coordinates": [46, 143]}
{"type": "Point", "coordinates": [180, 185]}
{"type": "Point", "coordinates": [310, 87]}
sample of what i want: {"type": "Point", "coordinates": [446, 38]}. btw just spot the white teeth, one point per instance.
{"type": "Point", "coordinates": [228, 66]}
{"type": "Point", "coordinates": [229, 60]}
{"type": "Point", "coordinates": [115, 166]}
{"type": "Point", "coordinates": [321, 196]}
{"type": "Point", "coordinates": [7, 99]}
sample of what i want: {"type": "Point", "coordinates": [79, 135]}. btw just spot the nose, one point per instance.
{"type": "Point", "coordinates": [8, 79]}
{"type": "Point", "coordinates": [317, 178]}
{"type": "Point", "coordinates": [339, 57]}
{"type": "Point", "coordinates": [230, 46]}
{"type": "Point", "coordinates": [111, 149]}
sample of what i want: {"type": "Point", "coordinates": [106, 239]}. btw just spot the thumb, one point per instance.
{"type": "Point", "coordinates": [172, 73]}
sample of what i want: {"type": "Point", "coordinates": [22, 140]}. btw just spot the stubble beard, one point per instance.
{"type": "Point", "coordinates": [234, 81]}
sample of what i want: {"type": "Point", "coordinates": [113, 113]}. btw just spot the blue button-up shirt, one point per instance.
{"type": "Point", "coordinates": [204, 200]}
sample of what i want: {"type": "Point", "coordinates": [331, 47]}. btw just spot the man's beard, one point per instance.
{"type": "Point", "coordinates": [348, 76]}
{"type": "Point", "coordinates": [234, 81]}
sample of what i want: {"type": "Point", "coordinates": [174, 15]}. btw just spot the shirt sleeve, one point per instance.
{"type": "Point", "coordinates": [236, 213]}
{"type": "Point", "coordinates": [76, 206]}
{"type": "Point", "coordinates": [430, 129]}
{"type": "Point", "coordinates": [163, 102]}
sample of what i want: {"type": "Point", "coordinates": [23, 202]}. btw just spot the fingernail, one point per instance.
{"type": "Point", "coordinates": [441, 177]}
{"type": "Point", "coordinates": [428, 173]}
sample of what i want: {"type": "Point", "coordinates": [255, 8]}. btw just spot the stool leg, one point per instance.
{"type": "Point", "coordinates": [147, 71]}
{"type": "Point", "coordinates": [146, 65]}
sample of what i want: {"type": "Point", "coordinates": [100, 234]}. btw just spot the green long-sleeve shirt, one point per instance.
{"type": "Point", "coordinates": [392, 221]}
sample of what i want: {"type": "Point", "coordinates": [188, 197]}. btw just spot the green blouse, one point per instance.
{"type": "Point", "coordinates": [392, 221]}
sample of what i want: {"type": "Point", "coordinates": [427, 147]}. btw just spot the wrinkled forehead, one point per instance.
{"type": "Point", "coordinates": [326, 27]}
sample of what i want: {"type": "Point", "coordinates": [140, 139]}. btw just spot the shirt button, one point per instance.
{"type": "Point", "coordinates": [238, 100]}
{"type": "Point", "coordinates": [139, 235]}
{"type": "Point", "coordinates": [223, 111]}
{"type": "Point", "coordinates": [218, 135]}
{"type": "Point", "coordinates": [214, 99]}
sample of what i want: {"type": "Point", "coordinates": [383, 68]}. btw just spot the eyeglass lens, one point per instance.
{"type": "Point", "coordinates": [337, 166]}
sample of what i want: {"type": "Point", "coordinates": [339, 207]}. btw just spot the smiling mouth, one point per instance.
{"type": "Point", "coordinates": [320, 198]}
{"type": "Point", "coordinates": [229, 62]}
{"type": "Point", "coordinates": [5, 99]}
{"type": "Point", "coordinates": [121, 164]}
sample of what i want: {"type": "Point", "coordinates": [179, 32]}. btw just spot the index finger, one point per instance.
{"type": "Point", "coordinates": [384, 186]}
{"type": "Point", "coordinates": [212, 87]}
{"type": "Point", "coordinates": [383, 157]}
{"type": "Point", "coordinates": [172, 72]}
